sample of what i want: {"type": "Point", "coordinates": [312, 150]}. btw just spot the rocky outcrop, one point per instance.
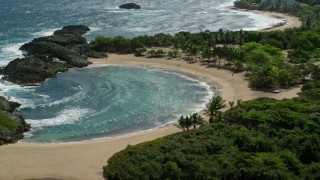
{"type": "Point", "coordinates": [72, 58]}
{"type": "Point", "coordinates": [60, 45]}
{"type": "Point", "coordinates": [32, 70]}
{"type": "Point", "coordinates": [73, 29]}
{"type": "Point", "coordinates": [87, 50]}
{"type": "Point", "coordinates": [66, 45]}
{"type": "Point", "coordinates": [12, 125]}
{"type": "Point", "coordinates": [130, 6]}
{"type": "Point", "coordinates": [9, 106]}
{"type": "Point", "coordinates": [61, 39]}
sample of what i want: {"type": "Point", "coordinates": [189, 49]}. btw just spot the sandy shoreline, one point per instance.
{"type": "Point", "coordinates": [290, 21]}
{"type": "Point", "coordinates": [84, 160]}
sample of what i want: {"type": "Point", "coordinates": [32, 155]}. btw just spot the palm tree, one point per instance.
{"type": "Point", "coordinates": [197, 120]}
{"type": "Point", "coordinates": [182, 123]}
{"type": "Point", "coordinates": [188, 121]}
{"type": "Point", "coordinates": [215, 104]}
{"type": "Point", "coordinates": [231, 104]}
{"type": "Point", "coordinates": [206, 53]}
{"type": "Point", "coordinates": [240, 40]}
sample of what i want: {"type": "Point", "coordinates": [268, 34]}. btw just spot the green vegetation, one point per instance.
{"type": "Point", "coordinates": [6, 123]}
{"type": "Point", "coordinates": [258, 139]}
{"type": "Point", "coordinates": [193, 120]}
{"type": "Point", "coordinates": [272, 60]}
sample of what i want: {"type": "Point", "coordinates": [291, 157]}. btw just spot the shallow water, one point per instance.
{"type": "Point", "coordinates": [91, 103]}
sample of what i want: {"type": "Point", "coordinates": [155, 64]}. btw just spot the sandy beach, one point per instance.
{"type": "Point", "coordinates": [290, 21]}
{"type": "Point", "coordinates": [84, 160]}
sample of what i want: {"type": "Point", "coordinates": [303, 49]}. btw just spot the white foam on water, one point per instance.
{"type": "Point", "coordinates": [67, 116]}
{"type": "Point", "coordinates": [204, 100]}
{"type": "Point", "coordinates": [44, 32]}
{"type": "Point", "coordinates": [261, 21]}
{"type": "Point", "coordinates": [201, 12]}
{"type": "Point", "coordinates": [223, 5]}
{"type": "Point", "coordinates": [9, 52]}
{"type": "Point", "coordinates": [141, 29]}
{"type": "Point", "coordinates": [6, 89]}
{"type": "Point", "coordinates": [7, 86]}
{"type": "Point", "coordinates": [111, 7]}
{"type": "Point", "coordinates": [93, 29]}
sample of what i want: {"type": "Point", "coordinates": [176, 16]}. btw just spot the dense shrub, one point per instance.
{"type": "Point", "coordinates": [258, 139]}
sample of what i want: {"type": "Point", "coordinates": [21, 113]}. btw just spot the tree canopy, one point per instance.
{"type": "Point", "coordinates": [257, 139]}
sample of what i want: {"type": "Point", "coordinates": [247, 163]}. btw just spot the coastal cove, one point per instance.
{"type": "Point", "coordinates": [49, 160]}
{"type": "Point", "coordinates": [83, 160]}
{"type": "Point", "coordinates": [104, 101]}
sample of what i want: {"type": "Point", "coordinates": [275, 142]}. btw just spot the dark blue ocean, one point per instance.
{"type": "Point", "coordinates": [104, 101]}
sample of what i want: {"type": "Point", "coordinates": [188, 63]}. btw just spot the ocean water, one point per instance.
{"type": "Point", "coordinates": [23, 20]}
{"type": "Point", "coordinates": [104, 101]}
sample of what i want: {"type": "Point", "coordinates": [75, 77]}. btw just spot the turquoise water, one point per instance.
{"type": "Point", "coordinates": [104, 101]}
{"type": "Point", "coordinates": [97, 102]}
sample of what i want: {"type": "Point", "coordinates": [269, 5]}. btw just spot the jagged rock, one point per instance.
{"type": "Point", "coordinates": [73, 29]}
{"type": "Point", "coordinates": [8, 105]}
{"type": "Point", "coordinates": [66, 44]}
{"type": "Point", "coordinates": [87, 50]}
{"type": "Point", "coordinates": [12, 125]}
{"type": "Point", "coordinates": [32, 70]}
{"type": "Point", "coordinates": [73, 59]}
{"type": "Point", "coordinates": [63, 39]}
{"type": "Point", "coordinates": [130, 6]}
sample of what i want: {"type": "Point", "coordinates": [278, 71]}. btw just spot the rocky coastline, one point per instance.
{"type": "Point", "coordinates": [44, 57]}
{"type": "Point", "coordinates": [12, 124]}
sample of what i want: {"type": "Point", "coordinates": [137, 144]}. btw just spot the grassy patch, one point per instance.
{"type": "Point", "coordinates": [6, 123]}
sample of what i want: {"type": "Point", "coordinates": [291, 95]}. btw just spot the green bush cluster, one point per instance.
{"type": "Point", "coordinates": [257, 139]}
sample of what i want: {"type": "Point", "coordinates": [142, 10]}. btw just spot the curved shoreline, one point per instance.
{"type": "Point", "coordinates": [85, 159]}
{"type": "Point", "coordinates": [289, 20]}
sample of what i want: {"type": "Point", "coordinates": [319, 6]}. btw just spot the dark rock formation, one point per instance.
{"type": "Point", "coordinates": [8, 105]}
{"type": "Point", "coordinates": [72, 58]}
{"type": "Point", "coordinates": [87, 50]}
{"type": "Point", "coordinates": [66, 44]}
{"type": "Point", "coordinates": [73, 29]}
{"type": "Point", "coordinates": [32, 70]}
{"type": "Point", "coordinates": [12, 125]}
{"type": "Point", "coordinates": [62, 39]}
{"type": "Point", "coordinates": [130, 6]}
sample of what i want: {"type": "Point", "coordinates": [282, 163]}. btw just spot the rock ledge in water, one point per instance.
{"type": "Point", "coordinates": [67, 45]}
{"type": "Point", "coordinates": [130, 6]}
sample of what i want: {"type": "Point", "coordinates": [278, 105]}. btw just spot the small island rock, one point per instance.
{"type": "Point", "coordinates": [32, 70]}
{"type": "Point", "coordinates": [130, 6]}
